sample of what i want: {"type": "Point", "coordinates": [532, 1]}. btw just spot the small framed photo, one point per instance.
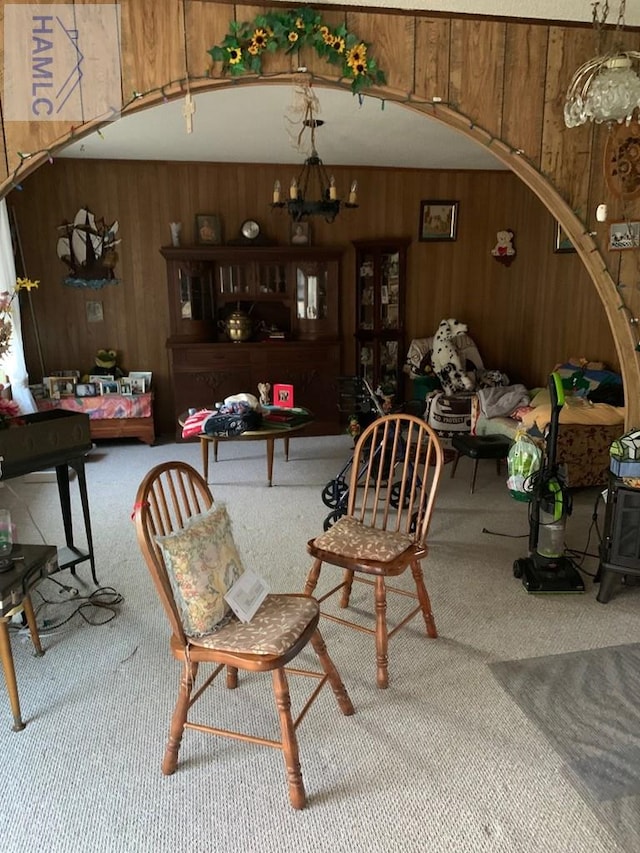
{"type": "Point", "coordinates": [86, 389]}
{"type": "Point", "coordinates": [283, 396]}
{"type": "Point", "coordinates": [624, 235]}
{"type": "Point", "coordinates": [126, 386]}
{"type": "Point", "coordinates": [208, 231]}
{"type": "Point", "coordinates": [109, 387]}
{"type": "Point", "coordinates": [300, 234]}
{"type": "Point", "coordinates": [438, 220]}
{"type": "Point", "coordinates": [75, 374]}
{"type": "Point", "coordinates": [140, 381]}
{"type": "Point", "coordinates": [103, 377]}
{"type": "Point", "coordinates": [61, 386]}
{"type": "Point", "coordinates": [561, 241]}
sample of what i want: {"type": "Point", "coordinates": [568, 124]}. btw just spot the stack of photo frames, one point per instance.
{"type": "Point", "coordinates": [66, 383]}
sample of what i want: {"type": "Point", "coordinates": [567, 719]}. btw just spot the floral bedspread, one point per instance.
{"type": "Point", "coordinates": [105, 406]}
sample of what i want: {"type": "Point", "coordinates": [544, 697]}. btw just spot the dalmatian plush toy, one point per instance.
{"type": "Point", "coordinates": [445, 358]}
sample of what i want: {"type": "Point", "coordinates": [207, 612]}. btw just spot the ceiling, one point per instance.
{"type": "Point", "coordinates": [247, 124]}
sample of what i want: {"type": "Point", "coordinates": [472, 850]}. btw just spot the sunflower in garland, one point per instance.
{"type": "Point", "coordinates": [338, 44]}
{"type": "Point", "coordinates": [258, 42]}
{"type": "Point", "coordinates": [235, 55]}
{"type": "Point", "coordinates": [357, 59]}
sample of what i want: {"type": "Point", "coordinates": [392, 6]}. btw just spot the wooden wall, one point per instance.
{"type": "Point", "coordinates": [525, 318]}
{"type": "Point", "coordinates": [509, 96]}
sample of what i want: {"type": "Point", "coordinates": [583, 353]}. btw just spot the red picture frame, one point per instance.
{"type": "Point", "coordinates": [283, 396]}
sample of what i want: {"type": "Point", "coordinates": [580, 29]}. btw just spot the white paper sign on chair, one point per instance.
{"type": "Point", "coordinates": [246, 595]}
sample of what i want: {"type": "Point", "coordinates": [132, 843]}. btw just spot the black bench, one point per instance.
{"type": "Point", "coordinates": [479, 447]}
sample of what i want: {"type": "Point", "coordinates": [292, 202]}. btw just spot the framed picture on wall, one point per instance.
{"type": "Point", "coordinates": [624, 235]}
{"type": "Point", "coordinates": [561, 242]}
{"type": "Point", "coordinates": [208, 231]}
{"type": "Point", "coordinates": [438, 220]}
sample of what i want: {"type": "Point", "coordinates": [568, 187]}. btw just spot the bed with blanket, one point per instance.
{"type": "Point", "coordinates": [591, 418]}
{"type": "Point", "coordinates": [586, 426]}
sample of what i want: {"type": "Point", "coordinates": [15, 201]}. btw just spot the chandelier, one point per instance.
{"type": "Point", "coordinates": [313, 192]}
{"type": "Point", "coordinates": [607, 87]}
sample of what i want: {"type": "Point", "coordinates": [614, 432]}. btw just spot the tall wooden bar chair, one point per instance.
{"type": "Point", "coordinates": [395, 474]}
{"type": "Point", "coordinates": [187, 543]}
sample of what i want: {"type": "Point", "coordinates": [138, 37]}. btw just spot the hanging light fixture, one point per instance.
{"type": "Point", "coordinates": [313, 192]}
{"type": "Point", "coordinates": [607, 87]}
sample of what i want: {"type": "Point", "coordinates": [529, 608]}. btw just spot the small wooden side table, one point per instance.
{"type": "Point", "coordinates": [31, 564]}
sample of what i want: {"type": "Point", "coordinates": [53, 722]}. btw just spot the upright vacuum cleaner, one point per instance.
{"type": "Point", "coordinates": [547, 568]}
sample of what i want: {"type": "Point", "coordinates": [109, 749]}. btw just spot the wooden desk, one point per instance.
{"type": "Point", "coordinates": [31, 564]}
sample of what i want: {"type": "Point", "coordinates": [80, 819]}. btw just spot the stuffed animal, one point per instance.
{"type": "Point", "coordinates": [105, 365]}
{"type": "Point", "coordinates": [504, 250]}
{"type": "Point", "coordinates": [446, 360]}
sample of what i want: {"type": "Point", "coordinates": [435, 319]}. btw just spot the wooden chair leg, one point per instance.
{"type": "Point", "coordinates": [423, 598]}
{"type": "Point", "coordinates": [382, 637]}
{"type": "Point", "coordinates": [346, 589]}
{"type": "Point", "coordinates": [297, 795]}
{"type": "Point", "coordinates": [33, 626]}
{"type": "Point", "coordinates": [333, 675]}
{"type": "Point", "coordinates": [232, 677]}
{"type": "Point", "coordinates": [10, 675]}
{"type": "Point", "coordinates": [473, 475]}
{"type": "Point", "coordinates": [170, 760]}
{"type": "Point", "coordinates": [312, 577]}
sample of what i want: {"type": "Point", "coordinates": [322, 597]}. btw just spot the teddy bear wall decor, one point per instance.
{"type": "Point", "coordinates": [504, 251]}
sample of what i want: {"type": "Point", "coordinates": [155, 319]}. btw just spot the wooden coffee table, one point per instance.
{"type": "Point", "coordinates": [268, 434]}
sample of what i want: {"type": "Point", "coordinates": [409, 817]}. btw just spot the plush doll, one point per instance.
{"type": "Point", "coordinates": [446, 360]}
{"type": "Point", "coordinates": [504, 250]}
{"type": "Point", "coordinates": [105, 365]}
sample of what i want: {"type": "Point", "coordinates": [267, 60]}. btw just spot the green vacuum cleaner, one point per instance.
{"type": "Point", "coordinates": [547, 568]}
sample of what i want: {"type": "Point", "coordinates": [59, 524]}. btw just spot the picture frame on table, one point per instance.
{"type": "Point", "coordinates": [438, 220]}
{"type": "Point", "coordinates": [208, 231]}
{"type": "Point", "coordinates": [86, 389]}
{"type": "Point", "coordinates": [126, 386]}
{"type": "Point", "coordinates": [140, 380]}
{"type": "Point", "coordinates": [283, 395]}
{"type": "Point", "coordinates": [61, 386]}
{"type": "Point", "coordinates": [109, 387]}
{"type": "Point", "coordinates": [98, 378]}
{"type": "Point", "coordinates": [62, 373]}
{"type": "Point", "coordinates": [562, 244]}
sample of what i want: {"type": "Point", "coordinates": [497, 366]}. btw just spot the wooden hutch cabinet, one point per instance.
{"type": "Point", "coordinates": [288, 299]}
{"type": "Point", "coordinates": [380, 293]}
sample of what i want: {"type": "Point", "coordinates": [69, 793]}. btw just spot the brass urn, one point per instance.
{"type": "Point", "coordinates": [238, 326]}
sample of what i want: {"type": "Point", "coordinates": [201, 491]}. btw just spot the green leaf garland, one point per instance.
{"type": "Point", "coordinates": [242, 48]}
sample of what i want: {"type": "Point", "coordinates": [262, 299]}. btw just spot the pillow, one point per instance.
{"type": "Point", "coordinates": [202, 562]}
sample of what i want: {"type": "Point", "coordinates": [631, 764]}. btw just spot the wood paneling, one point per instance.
{"type": "Point", "coordinates": [477, 71]}
{"type": "Point", "coordinates": [432, 49]}
{"type": "Point", "coordinates": [391, 39]}
{"type": "Point", "coordinates": [525, 318]}
{"type": "Point", "coordinates": [525, 60]}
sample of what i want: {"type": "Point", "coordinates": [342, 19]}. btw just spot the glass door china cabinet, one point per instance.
{"type": "Point", "coordinates": [380, 295]}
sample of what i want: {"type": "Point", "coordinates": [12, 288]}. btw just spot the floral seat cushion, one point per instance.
{"type": "Point", "coordinates": [277, 625]}
{"type": "Point", "coordinates": [350, 538]}
{"type": "Point", "coordinates": [202, 563]}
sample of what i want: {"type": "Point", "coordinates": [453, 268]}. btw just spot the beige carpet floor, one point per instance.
{"type": "Point", "coordinates": [445, 760]}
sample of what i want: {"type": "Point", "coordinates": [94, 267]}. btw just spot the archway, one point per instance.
{"type": "Point", "coordinates": [583, 241]}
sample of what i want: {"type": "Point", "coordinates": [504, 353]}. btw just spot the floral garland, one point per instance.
{"type": "Point", "coordinates": [242, 48]}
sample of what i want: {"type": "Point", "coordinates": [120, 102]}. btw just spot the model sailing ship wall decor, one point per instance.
{"type": "Point", "coordinates": [87, 247]}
